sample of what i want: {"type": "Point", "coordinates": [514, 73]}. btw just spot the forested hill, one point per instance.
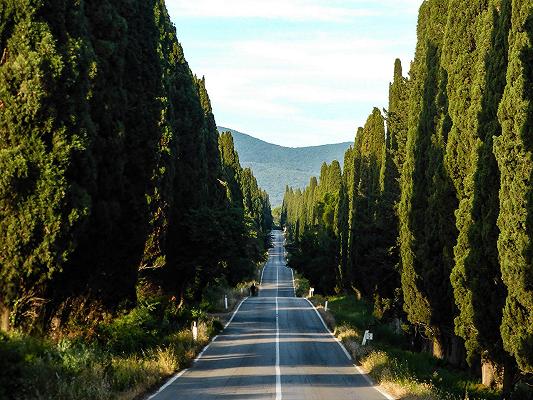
{"type": "Point", "coordinates": [277, 166]}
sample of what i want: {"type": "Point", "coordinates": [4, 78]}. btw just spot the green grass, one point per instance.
{"type": "Point", "coordinates": [409, 375]}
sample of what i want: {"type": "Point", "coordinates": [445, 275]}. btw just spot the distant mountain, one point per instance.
{"type": "Point", "coordinates": [275, 166]}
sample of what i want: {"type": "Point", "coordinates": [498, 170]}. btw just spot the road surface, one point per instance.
{"type": "Point", "coordinates": [276, 347]}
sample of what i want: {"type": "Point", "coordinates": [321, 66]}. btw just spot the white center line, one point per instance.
{"type": "Point", "coordinates": [278, 369]}
{"type": "Point", "coordinates": [277, 282]}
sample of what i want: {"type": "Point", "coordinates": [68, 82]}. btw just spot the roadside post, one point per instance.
{"type": "Point", "coordinates": [226, 301]}
{"type": "Point", "coordinates": [326, 306]}
{"type": "Point", "coordinates": [194, 331]}
{"type": "Point", "coordinates": [367, 336]}
{"type": "Point", "coordinates": [311, 292]}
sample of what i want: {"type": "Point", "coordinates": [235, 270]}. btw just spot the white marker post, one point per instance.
{"type": "Point", "coordinates": [311, 292]}
{"type": "Point", "coordinates": [326, 306]}
{"type": "Point", "coordinates": [226, 301]}
{"type": "Point", "coordinates": [194, 331]}
{"type": "Point", "coordinates": [367, 336]}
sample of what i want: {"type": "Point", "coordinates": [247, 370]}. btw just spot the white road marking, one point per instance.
{"type": "Point", "coordinates": [277, 284]}
{"type": "Point", "coordinates": [234, 313]}
{"type": "Point", "coordinates": [363, 373]}
{"type": "Point", "coordinates": [180, 373]}
{"type": "Point", "coordinates": [278, 369]}
{"type": "Point", "coordinates": [331, 333]}
{"type": "Point", "coordinates": [169, 382]}
{"type": "Point", "coordinates": [293, 285]}
{"type": "Point", "coordinates": [371, 383]}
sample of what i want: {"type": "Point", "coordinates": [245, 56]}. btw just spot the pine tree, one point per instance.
{"type": "Point", "coordinates": [513, 150]}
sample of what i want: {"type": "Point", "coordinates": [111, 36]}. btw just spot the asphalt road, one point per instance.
{"type": "Point", "coordinates": [276, 347]}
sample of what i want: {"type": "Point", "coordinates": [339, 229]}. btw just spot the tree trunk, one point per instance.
{"type": "Point", "coordinates": [4, 318]}
{"type": "Point", "coordinates": [397, 325]}
{"type": "Point", "coordinates": [489, 372]}
{"type": "Point", "coordinates": [456, 355]}
{"type": "Point", "coordinates": [438, 347]}
{"type": "Point", "coordinates": [509, 374]}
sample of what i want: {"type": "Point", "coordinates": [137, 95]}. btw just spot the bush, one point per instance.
{"type": "Point", "coordinates": [301, 285]}
{"type": "Point", "coordinates": [10, 367]}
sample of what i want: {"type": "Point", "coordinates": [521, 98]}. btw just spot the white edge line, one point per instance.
{"type": "Point", "coordinates": [372, 383]}
{"type": "Point", "coordinates": [293, 286]}
{"type": "Point", "coordinates": [235, 312]}
{"type": "Point", "coordinates": [331, 333]}
{"type": "Point", "coordinates": [169, 382]}
{"type": "Point", "coordinates": [359, 369]}
{"type": "Point", "coordinates": [180, 373]}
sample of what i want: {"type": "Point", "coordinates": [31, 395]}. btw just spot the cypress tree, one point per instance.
{"type": "Point", "coordinates": [343, 220]}
{"type": "Point", "coordinates": [369, 149]}
{"type": "Point", "coordinates": [397, 117]}
{"type": "Point", "coordinates": [513, 150]}
{"type": "Point", "coordinates": [475, 56]}
{"type": "Point", "coordinates": [45, 75]}
{"type": "Point", "coordinates": [427, 228]}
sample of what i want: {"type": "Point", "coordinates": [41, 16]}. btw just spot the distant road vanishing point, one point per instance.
{"type": "Point", "coordinates": [275, 347]}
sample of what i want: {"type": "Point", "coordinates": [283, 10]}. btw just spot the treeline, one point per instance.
{"type": "Point", "coordinates": [432, 215]}
{"type": "Point", "coordinates": [111, 167]}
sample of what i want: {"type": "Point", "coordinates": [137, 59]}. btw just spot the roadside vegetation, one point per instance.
{"type": "Point", "coordinates": [117, 358]}
{"type": "Point", "coordinates": [390, 361]}
{"type": "Point", "coordinates": [124, 214]}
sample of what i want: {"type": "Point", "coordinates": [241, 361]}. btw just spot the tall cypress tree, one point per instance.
{"type": "Point", "coordinates": [397, 116]}
{"type": "Point", "coordinates": [476, 59]}
{"type": "Point", "coordinates": [369, 150]}
{"type": "Point", "coordinates": [514, 153]}
{"type": "Point", "coordinates": [427, 228]}
{"type": "Point", "coordinates": [45, 77]}
{"type": "Point", "coordinates": [343, 220]}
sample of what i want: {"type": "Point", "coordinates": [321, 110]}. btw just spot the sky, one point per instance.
{"type": "Point", "coordinates": [296, 72]}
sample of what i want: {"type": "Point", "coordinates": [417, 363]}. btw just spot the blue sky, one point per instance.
{"type": "Point", "coordinates": [296, 72]}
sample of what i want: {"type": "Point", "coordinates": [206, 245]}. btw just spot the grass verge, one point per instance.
{"type": "Point", "coordinates": [404, 374]}
{"type": "Point", "coordinates": [124, 358]}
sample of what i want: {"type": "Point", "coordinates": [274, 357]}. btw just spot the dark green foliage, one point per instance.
{"type": "Point", "coordinates": [450, 185]}
{"type": "Point", "coordinates": [312, 220]}
{"type": "Point", "coordinates": [514, 151]}
{"type": "Point", "coordinates": [427, 224]}
{"type": "Point", "coordinates": [368, 249]}
{"type": "Point", "coordinates": [110, 164]}
{"type": "Point", "coordinates": [476, 276]}
{"type": "Point", "coordinates": [397, 117]}
{"type": "Point", "coordinates": [44, 84]}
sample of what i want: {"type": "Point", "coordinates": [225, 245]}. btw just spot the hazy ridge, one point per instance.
{"type": "Point", "coordinates": [275, 166]}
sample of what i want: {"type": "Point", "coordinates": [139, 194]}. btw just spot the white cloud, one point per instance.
{"type": "Point", "coordinates": [297, 10]}
{"type": "Point", "coordinates": [298, 87]}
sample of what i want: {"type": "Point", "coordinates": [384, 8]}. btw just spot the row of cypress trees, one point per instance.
{"type": "Point", "coordinates": [111, 170]}
{"type": "Point", "coordinates": [433, 216]}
